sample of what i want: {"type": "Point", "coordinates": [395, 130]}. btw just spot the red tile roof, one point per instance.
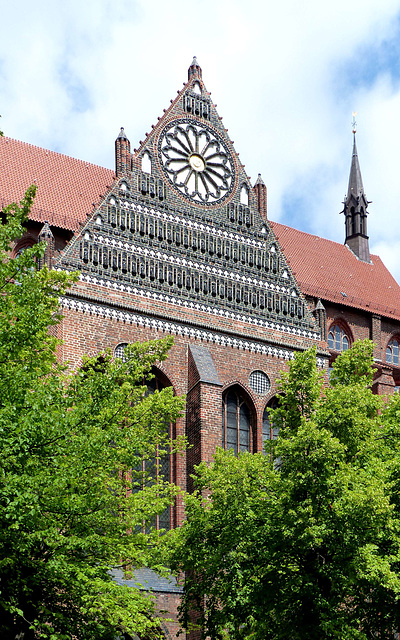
{"type": "Point", "coordinates": [67, 187]}
{"type": "Point", "coordinates": [327, 270]}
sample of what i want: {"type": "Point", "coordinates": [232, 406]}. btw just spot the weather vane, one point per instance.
{"type": "Point", "coordinates": [353, 122]}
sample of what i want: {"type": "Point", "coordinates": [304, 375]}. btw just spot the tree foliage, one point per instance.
{"type": "Point", "coordinates": [308, 548]}
{"type": "Point", "coordinates": [75, 496]}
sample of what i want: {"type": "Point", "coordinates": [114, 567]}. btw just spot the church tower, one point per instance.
{"type": "Point", "coordinates": [355, 209]}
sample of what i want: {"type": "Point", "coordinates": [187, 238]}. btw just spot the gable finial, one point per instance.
{"type": "Point", "coordinates": [354, 123]}
{"type": "Point", "coordinates": [194, 70]}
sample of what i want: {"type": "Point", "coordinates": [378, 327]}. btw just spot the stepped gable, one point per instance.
{"type": "Point", "coordinates": [329, 270]}
{"type": "Point", "coordinates": [67, 187]}
{"type": "Point", "coordinates": [182, 223]}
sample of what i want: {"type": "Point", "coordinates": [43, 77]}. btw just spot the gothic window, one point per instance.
{"type": "Point", "coordinates": [160, 466]}
{"type": "Point", "coordinates": [23, 244]}
{"type": "Point", "coordinates": [196, 88]}
{"type": "Point", "coordinates": [269, 431]}
{"type": "Point", "coordinates": [236, 421]}
{"type": "Point", "coordinates": [152, 469]}
{"type": "Point", "coordinates": [392, 352]}
{"type": "Point", "coordinates": [244, 195]}
{"type": "Point", "coordinates": [146, 162]}
{"type": "Point", "coordinates": [338, 340]}
{"type": "Point", "coordinates": [119, 351]}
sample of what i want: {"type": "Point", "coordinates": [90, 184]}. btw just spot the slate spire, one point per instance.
{"type": "Point", "coordinates": [355, 180]}
{"type": "Point", "coordinates": [355, 209]}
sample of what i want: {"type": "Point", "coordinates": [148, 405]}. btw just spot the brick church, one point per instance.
{"type": "Point", "coordinates": [177, 240]}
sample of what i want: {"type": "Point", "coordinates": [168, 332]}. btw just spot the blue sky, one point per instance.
{"type": "Point", "coordinates": [286, 78]}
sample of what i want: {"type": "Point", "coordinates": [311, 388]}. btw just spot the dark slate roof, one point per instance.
{"type": "Point", "coordinates": [147, 580]}
{"type": "Point", "coordinates": [355, 187]}
{"type": "Point", "coordinates": [204, 364]}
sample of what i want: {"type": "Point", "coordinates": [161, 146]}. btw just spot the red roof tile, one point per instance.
{"type": "Point", "coordinates": [67, 187]}
{"type": "Point", "coordinates": [327, 270]}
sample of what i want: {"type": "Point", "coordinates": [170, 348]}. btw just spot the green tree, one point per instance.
{"type": "Point", "coordinates": [74, 499]}
{"type": "Point", "coordinates": [308, 548]}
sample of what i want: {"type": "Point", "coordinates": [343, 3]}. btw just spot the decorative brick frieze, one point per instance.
{"type": "Point", "coordinates": [209, 309]}
{"type": "Point", "coordinates": [175, 328]}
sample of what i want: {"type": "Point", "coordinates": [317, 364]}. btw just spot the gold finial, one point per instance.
{"type": "Point", "coordinates": [354, 123]}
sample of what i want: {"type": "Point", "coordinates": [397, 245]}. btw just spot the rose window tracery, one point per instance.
{"type": "Point", "coordinates": [196, 161]}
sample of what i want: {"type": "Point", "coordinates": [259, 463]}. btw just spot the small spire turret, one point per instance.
{"type": "Point", "coordinates": [122, 153]}
{"type": "Point", "coordinates": [46, 236]}
{"type": "Point", "coordinates": [260, 191]}
{"type": "Point", "coordinates": [194, 70]}
{"type": "Point", "coordinates": [355, 208]}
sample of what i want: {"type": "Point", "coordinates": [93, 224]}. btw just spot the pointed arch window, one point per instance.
{"type": "Point", "coordinates": [392, 352]}
{"type": "Point", "coordinates": [244, 195]}
{"type": "Point", "coordinates": [270, 432]}
{"type": "Point", "coordinates": [119, 351]}
{"type": "Point", "coordinates": [146, 162]}
{"type": "Point", "coordinates": [236, 422]}
{"type": "Point", "coordinates": [158, 464]}
{"type": "Point", "coordinates": [338, 340]}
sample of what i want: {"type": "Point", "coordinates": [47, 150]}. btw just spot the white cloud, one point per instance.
{"type": "Point", "coordinates": [72, 73]}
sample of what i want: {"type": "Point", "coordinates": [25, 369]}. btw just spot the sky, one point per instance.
{"type": "Point", "coordinates": [286, 77]}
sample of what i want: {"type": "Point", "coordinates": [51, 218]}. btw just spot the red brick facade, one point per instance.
{"type": "Point", "coordinates": [201, 262]}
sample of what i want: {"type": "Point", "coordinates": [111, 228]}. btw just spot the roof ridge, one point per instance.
{"type": "Point", "coordinates": [314, 235]}
{"type": "Point", "coordinates": [57, 153]}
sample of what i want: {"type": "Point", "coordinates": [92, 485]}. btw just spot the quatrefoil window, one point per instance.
{"type": "Point", "coordinates": [196, 161]}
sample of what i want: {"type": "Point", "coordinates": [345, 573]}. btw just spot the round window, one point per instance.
{"type": "Point", "coordinates": [259, 382]}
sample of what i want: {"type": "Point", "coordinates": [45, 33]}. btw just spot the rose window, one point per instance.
{"type": "Point", "coordinates": [196, 161]}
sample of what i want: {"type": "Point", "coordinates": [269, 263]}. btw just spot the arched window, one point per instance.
{"type": "Point", "coordinates": [24, 243]}
{"type": "Point", "coordinates": [152, 468]}
{"type": "Point", "coordinates": [119, 351]}
{"type": "Point", "coordinates": [338, 340]}
{"type": "Point", "coordinates": [146, 162]}
{"type": "Point", "coordinates": [244, 195]}
{"type": "Point", "coordinates": [161, 465]}
{"type": "Point", "coordinates": [236, 422]}
{"type": "Point", "coordinates": [269, 431]}
{"type": "Point", "coordinates": [392, 352]}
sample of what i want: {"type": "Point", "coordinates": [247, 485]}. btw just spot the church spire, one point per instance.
{"type": "Point", "coordinates": [355, 209]}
